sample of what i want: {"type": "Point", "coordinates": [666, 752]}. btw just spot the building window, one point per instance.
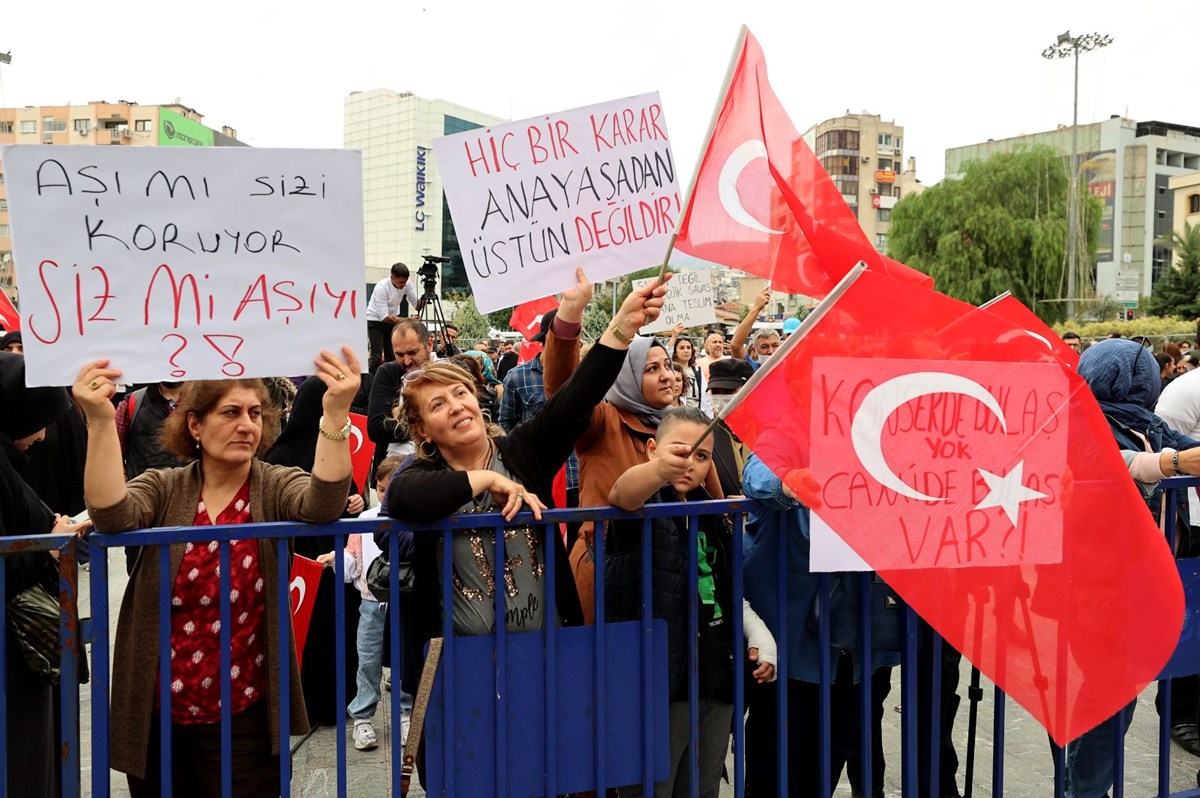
{"type": "Point", "coordinates": [838, 140]}
{"type": "Point", "coordinates": [6, 126]}
{"type": "Point", "coordinates": [881, 242]}
{"type": "Point", "coordinates": [3, 205]}
{"type": "Point", "coordinates": [883, 189]}
{"type": "Point", "coordinates": [1194, 203]}
{"type": "Point", "coordinates": [883, 214]}
{"type": "Point", "coordinates": [52, 125]}
{"type": "Point", "coordinates": [885, 164]}
{"type": "Point", "coordinates": [142, 125]}
{"type": "Point", "coordinates": [29, 126]}
{"type": "Point", "coordinates": [895, 191]}
{"type": "Point", "coordinates": [885, 139]}
{"type": "Point", "coordinates": [4, 231]}
{"type": "Point", "coordinates": [83, 126]}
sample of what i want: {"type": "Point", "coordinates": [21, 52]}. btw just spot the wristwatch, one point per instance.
{"type": "Point", "coordinates": [619, 334]}
{"type": "Point", "coordinates": [340, 435]}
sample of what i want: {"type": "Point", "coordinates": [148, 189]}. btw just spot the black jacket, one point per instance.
{"type": "Point", "coordinates": [669, 582]}
{"type": "Point", "coordinates": [424, 491]}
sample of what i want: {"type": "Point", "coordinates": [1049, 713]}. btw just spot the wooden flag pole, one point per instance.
{"type": "Point", "coordinates": [685, 206]}
{"type": "Point", "coordinates": [793, 340]}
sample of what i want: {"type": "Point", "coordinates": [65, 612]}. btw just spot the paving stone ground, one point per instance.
{"type": "Point", "coordinates": [1028, 770]}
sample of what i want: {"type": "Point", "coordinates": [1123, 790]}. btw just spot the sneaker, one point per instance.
{"type": "Point", "coordinates": [405, 722]}
{"type": "Point", "coordinates": [387, 680]}
{"type": "Point", "coordinates": [364, 735]}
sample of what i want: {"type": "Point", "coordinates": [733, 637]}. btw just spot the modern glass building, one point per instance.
{"type": "Point", "coordinates": [405, 214]}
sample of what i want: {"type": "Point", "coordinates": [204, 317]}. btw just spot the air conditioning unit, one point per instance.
{"type": "Point", "coordinates": [866, 159]}
{"type": "Point", "coordinates": [124, 131]}
{"type": "Point", "coordinates": [874, 191]}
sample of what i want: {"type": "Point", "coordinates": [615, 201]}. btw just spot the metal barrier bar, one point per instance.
{"type": "Point", "coordinates": [1119, 753]}
{"type": "Point", "coordinates": [908, 700]}
{"type": "Point", "coordinates": [739, 667]}
{"type": "Point", "coordinates": [935, 712]}
{"type": "Point", "coordinates": [825, 680]}
{"type": "Point", "coordinates": [165, 588]}
{"type": "Point", "coordinates": [781, 693]}
{"type": "Point", "coordinates": [1058, 753]}
{"type": "Point", "coordinates": [224, 603]}
{"type": "Point", "coordinates": [600, 530]}
{"type": "Point", "coordinates": [693, 583]}
{"type": "Point", "coordinates": [283, 563]}
{"type": "Point", "coordinates": [998, 699]}
{"type": "Point", "coordinates": [339, 657]}
{"type": "Point", "coordinates": [647, 660]}
{"type": "Point", "coordinates": [550, 549]}
{"type": "Point", "coordinates": [393, 619]}
{"type": "Point", "coordinates": [3, 679]}
{"type": "Point", "coordinates": [448, 759]}
{"type": "Point", "coordinates": [866, 710]}
{"type": "Point", "coordinates": [98, 583]}
{"type": "Point", "coordinates": [499, 642]}
{"type": "Point", "coordinates": [68, 683]}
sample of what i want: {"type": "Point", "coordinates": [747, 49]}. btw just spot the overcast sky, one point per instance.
{"type": "Point", "coordinates": [950, 73]}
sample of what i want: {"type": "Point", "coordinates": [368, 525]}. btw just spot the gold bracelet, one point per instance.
{"type": "Point", "coordinates": [340, 435]}
{"type": "Point", "coordinates": [619, 334]}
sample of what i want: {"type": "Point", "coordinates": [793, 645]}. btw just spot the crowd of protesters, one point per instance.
{"type": "Point", "coordinates": [463, 429]}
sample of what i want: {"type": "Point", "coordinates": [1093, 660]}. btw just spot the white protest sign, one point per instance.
{"type": "Point", "coordinates": [182, 263]}
{"type": "Point", "coordinates": [532, 201]}
{"type": "Point", "coordinates": [689, 301]}
{"type": "Point", "coordinates": [828, 552]}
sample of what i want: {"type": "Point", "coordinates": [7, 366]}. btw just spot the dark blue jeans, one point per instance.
{"type": "Point", "coordinates": [1090, 758]}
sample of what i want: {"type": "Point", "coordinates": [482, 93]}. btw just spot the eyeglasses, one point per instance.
{"type": "Point", "coordinates": [1143, 340]}
{"type": "Point", "coordinates": [413, 374]}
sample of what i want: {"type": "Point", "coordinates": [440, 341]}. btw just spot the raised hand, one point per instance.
{"type": "Point", "coordinates": [94, 388]}
{"type": "Point", "coordinates": [575, 300]}
{"type": "Point", "coordinates": [641, 307]}
{"type": "Point", "coordinates": [342, 377]}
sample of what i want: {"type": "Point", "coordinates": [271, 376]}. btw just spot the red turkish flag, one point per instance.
{"type": "Point", "coordinates": [1029, 326]}
{"type": "Point", "coordinates": [977, 475]}
{"type": "Point", "coordinates": [10, 319]}
{"type": "Point", "coordinates": [763, 203]}
{"type": "Point", "coordinates": [361, 450]}
{"type": "Point", "coordinates": [527, 320]}
{"type": "Point", "coordinates": [306, 579]}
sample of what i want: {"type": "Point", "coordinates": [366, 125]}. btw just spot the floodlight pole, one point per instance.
{"type": "Point", "coordinates": [1068, 46]}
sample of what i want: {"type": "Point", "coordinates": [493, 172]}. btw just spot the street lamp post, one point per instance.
{"type": "Point", "coordinates": [1068, 46]}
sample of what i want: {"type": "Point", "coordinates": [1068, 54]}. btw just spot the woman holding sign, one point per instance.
{"type": "Point", "coordinates": [221, 426]}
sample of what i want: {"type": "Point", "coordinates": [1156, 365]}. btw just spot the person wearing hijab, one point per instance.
{"type": "Point", "coordinates": [29, 699]}
{"type": "Point", "coordinates": [619, 428]}
{"type": "Point", "coordinates": [296, 447]}
{"type": "Point", "coordinates": [11, 342]}
{"type": "Point", "coordinates": [1124, 377]}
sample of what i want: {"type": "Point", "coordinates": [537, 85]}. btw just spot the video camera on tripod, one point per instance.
{"type": "Point", "coordinates": [429, 275]}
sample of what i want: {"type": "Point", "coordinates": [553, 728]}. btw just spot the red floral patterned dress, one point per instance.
{"type": "Point", "coordinates": [196, 622]}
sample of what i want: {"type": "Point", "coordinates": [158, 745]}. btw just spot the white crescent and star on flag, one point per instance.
{"type": "Point", "coordinates": [742, 156]}
{"type": "Point", "coordinates": [1006, 491]}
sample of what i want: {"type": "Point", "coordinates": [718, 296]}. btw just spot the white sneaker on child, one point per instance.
{"type": "Point", "coordinates": [405, 722]}
{"type": "Point", "coordinates": [364, 735]}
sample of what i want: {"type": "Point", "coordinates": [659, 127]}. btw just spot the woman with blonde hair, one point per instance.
{"type": "Point", "coordinates": [466, 464]}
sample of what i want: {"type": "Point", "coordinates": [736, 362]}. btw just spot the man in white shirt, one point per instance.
{"type": "Point", "coordinates": [383, 312]}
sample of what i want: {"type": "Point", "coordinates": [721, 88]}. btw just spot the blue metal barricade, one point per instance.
{"type": "Point", "coordinates": [566, 709]}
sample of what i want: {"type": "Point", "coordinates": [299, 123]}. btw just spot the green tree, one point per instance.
{"type": "Point", "coordinates": [1001, 227]}
{"type": "Point", "coordinates": [1179, 292]}
{"type": "Point", "coordinates": [472, 325]}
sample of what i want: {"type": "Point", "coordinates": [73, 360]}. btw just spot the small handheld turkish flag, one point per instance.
{"type": "Point", "coordinates": [306, 580]}
{"type": "Point", "coordinates": [361, 450]}
{"type": "Point", "coordinates": [978, 475]}
{"type": "Point", "coordinates": [527, 320]}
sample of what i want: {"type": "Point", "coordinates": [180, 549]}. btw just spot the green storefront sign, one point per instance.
{"type": "Point", "coordinates": [179, 131]}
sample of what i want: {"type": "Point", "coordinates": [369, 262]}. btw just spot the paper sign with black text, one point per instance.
{"type": "Point", "coordinates": [689, 301]}
{"type": "Point", "coordinates": [183, 263]}
{"type": "Point", "coordinates": [534, 200]}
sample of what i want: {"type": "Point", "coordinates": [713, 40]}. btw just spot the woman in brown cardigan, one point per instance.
{"type": "Point", "coordinates": [222, 426]}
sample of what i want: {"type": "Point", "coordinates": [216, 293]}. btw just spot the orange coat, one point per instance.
{"type": "Point", "coordinates": [614, 442]}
